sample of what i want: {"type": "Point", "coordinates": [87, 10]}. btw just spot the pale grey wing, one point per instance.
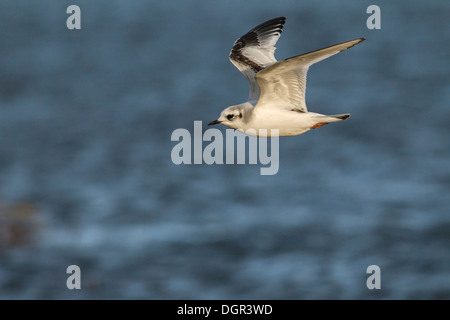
{"type": "Point", "coordinates": [284, 83]}
{"type": "Point", "coordinates": [255, 50]}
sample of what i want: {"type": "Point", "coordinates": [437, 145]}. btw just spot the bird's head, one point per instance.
{"type": "Point", "coordinates": [231, 117]}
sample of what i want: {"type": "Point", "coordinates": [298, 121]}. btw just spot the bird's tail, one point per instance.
{"type": "Point", "coordinates": [343, 116]}
{"type": "Point", "coordinates": [333, 118]}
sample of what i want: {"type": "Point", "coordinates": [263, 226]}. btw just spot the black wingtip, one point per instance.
{"type": "Point", "coordinates": [282, 18]}
{"type": "Point", "coordinates": [271, 23]}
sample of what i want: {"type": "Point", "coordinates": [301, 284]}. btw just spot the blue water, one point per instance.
{"type": "Point", "coordinates": [86, 118]}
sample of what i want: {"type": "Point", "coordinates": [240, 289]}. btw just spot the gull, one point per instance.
{"type": "Point", "coordinates": [277, 88]}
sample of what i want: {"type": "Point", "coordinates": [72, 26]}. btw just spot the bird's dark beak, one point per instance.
{"type": "Point", "coordinates": [214, 122]}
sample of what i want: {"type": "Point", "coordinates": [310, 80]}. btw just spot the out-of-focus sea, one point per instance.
{"type": "Point", "coordinates": [86, 176]}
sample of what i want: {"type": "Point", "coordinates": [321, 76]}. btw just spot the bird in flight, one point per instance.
{"type": "Point", "coordinates": [277, 88]}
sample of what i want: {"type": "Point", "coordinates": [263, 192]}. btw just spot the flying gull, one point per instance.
{"type": "Point", "coordinates": [277, 88]}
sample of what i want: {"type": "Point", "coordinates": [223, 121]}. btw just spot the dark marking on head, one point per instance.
{"type": "Point", "coordinates": [298, 110]}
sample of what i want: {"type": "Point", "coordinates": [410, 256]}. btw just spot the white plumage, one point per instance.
{"type": "Point", "coordinates": [277, 88]}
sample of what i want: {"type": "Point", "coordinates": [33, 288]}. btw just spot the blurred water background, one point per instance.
{"type": "Point", "coordinates": [86, 176]}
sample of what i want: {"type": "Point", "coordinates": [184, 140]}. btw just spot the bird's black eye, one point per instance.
{"type": "Point", "coordinates": [230, 116]}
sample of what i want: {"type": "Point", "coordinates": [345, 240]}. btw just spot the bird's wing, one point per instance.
{"type": "Point", "coordinates": [254, 51]}
{"type": "Point", "coordinates": [284, 82]}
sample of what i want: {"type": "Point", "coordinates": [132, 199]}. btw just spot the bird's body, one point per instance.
{"type": "Point", "coordinates": [288, 122]}
{"type": "Point", "coordinates": [277, 88]}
